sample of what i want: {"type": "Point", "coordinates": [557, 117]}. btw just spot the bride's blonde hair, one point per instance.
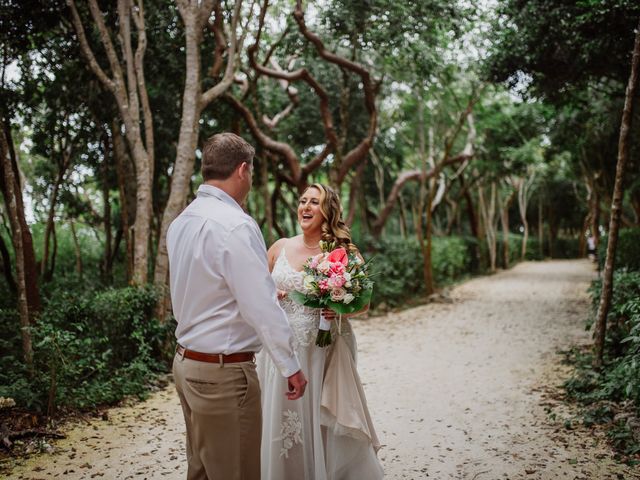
{"type": "Point", "coordinates": [333, 229]}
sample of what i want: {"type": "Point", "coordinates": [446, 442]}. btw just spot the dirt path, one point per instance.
{"type": "Point", "coordinates": [457, 391]}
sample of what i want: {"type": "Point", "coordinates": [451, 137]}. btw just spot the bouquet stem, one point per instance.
{"type": "Point", "coordinates": [324, 332]}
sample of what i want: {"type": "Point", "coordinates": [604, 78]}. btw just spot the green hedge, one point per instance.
{"type": "Point", "coordinates": [619, 379]}
{"type": "Point", "coordinates": [627, 251]}
{"type": "Point", "coordinates": [88, 350]}
{"type": "Point", "coordinates": [398, 267]}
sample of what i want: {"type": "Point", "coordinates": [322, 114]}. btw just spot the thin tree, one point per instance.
{"type": "Point", "coordinates": [616, 206]}
{"type": "Point", "coordinates": [195, 17]}
{"type": "Point", "coordinates": [128, 86]}
{"type": "Point", "coordinates": [11, 194]}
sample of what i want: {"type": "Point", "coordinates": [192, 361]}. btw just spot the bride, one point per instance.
{"type": "Point", "coordinates": [327, 434]}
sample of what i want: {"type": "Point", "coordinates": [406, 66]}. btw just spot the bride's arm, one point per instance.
{"type": "Point", "coordinates": [272, 256]}
{"type": "Point", "coordinates": [274, 251]}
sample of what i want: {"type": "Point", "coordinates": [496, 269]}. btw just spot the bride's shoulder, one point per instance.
{"type": "Point", "coordinates": [275, 249]}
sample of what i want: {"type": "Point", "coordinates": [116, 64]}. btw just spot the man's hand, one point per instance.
{"type": "Point", "coordinates": [297, 384]}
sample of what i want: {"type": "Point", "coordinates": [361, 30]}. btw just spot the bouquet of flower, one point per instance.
{"type": "Point", "coordinates": [334, 279]}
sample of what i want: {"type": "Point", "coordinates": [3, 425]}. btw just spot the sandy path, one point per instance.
{"type": "Point", "coordinates": [457, 391]}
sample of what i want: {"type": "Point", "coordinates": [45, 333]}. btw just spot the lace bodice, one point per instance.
{"type": "Point", "coordinates": [303, 320]}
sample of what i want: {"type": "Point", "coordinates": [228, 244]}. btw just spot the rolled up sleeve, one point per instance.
{"type": "Point", "coordinates": [246, 272]}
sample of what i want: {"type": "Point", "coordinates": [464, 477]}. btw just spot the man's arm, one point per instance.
{"type": "Point", "coordinates": [247, 274]}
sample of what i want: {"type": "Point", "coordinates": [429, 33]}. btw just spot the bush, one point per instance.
{"type": "Point", "coordinates": [619, 380]}
{"type": "Point", "coordinates": [398, 267]}
{"type": "Point", "coordinates": [566, 248]}
{"type": "Point", "coordinates": [627, 251]}
{"type": "Point", "coordinates": [396, 264]}
{"type": "Point", "coordinates": [515, 249]}
{"type": "Point", "coordinates": [451, 258]}
{"type": "Point", "coordinates": [88, 350]}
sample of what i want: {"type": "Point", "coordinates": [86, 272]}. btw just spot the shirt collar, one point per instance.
{"type": "Point", "coordinates": [205, 190]}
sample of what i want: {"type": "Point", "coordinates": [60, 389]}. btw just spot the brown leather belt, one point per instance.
{"type": "Point", "coordinates": [215, 357]}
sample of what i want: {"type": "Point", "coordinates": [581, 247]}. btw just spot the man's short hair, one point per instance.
{"type": "Point", "coordinates": [222, 153]}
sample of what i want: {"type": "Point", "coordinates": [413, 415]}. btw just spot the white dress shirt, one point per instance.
{"type": "Point", "coordinates": [223, 296]}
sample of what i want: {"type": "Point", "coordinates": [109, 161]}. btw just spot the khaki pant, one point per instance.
{"type": "Point", "coordinates": [222, 412]}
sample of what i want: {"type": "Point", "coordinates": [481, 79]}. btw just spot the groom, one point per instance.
{"type": "Point", "coordinates": [225, 303]}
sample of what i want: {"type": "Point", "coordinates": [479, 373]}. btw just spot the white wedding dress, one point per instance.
{"type": "Point", "coordinates": [327, 434]}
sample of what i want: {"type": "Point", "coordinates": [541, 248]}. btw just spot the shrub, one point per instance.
{"type": "Point", "coordinates": [398, 267]}
{"type": "Point", "coordinates": [450, 258]}
{"type": "Point", "coordinates": [564, 247]}
{"type": "Point", "coordinates": [396, 264]}
{"type": "Point", "coordinates": [627, 251]}
{"type": "Point", "coordinates": [88, 350]}
{"type": "Point", "coordinates": [619, 380]}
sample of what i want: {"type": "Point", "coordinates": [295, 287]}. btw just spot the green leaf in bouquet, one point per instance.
{"type": "Point", "coordinates": [356, 305]}
{"type": "Point", "coordinates": [302, 299]}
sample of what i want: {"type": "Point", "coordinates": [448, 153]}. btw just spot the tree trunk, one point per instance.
{"type": "Point", "coordinates": [488, 216]}
{"type": "Point", "coordinates": [524, 189]}
{"type": "Point", "coordinates": [15, 212]}
{"type": "Point", "coordinates": [540, 226]}
{"type": "Point", "coordinates": [106, 214]}
{"type": "Point", "coordinates": [126, 190]}
{"type": "Point", "coordinates": [504, 220]}
{"type": "Point", "coordinates": [130, 93]}
{"type": "Point", "coordinates": [616, 206]}
{"type": "Point", "coordinates": [194, 17]}
{"type": "Point", "coordinates": [6, 266]}
{"type": "Point", "coordinates": [30, 264]}
{"type": "Point", "coordinates": [595, 216]}
{"type": "Point", "coordinates": [266, 198]}
{"type": "Point", "coordinates": [76, 248]}
{"type": "Point", "coordinates": [403, 216]}
{"type": "Point", "coordinates": [44, 264]}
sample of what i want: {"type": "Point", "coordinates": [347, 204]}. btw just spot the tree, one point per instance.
{"type": "Point", "coordinates": [616, 205]}
{"type": "Point", "coordinates": [195, 17]}
{"type": "Point", "coordinates": [129, 91]}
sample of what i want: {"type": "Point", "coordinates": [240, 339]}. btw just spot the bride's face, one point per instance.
{"type": "Point", "coordinates": [309, 214]}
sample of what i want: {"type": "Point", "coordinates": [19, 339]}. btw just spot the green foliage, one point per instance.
{"type": "Point", "coordinates": [564, 247]}
{"type": "Point", "coordinates": [451, 258]}
{"type": "Point", "coordinates": [396, 264]}
{"type": "Point", "coordinates": [562, 44]}
{"type": "Point", "coordinates": [619, 380]}
{"type": "Point", "coordinates": [398, 267]}
{"type": "Point", "coordinates": [627, 251]}
{"type": "Point", "coordinates": [89, 349]}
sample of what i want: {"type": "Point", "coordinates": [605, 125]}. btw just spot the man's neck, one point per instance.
{"type": "Point", "coordinates": [227, 187]}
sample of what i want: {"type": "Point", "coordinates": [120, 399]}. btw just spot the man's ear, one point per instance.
{"type": "Point", "coordinates": [244, 169]}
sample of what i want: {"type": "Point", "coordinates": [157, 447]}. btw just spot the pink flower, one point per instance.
{"type": "Point", "coordinates": [339, 255]}
{"type": "Point", "coordinates": [337, 269]}
{"type": "Point", "coordinates": [315, 261]}
{"type": "Point", "coordinates": [336, 281]}
{"type": "Point", "coordinates": [323, 285]}
{"type": "Point", "coordinates": [324, 267]}
{"type": "Point", "coordinates": [338, 294]}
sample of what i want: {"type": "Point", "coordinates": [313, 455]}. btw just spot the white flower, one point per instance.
{"type": "Point", "coordinates": [347, 276]}
{"type": "Point", "coordinates": [348, 298]}
{"type": "Point", "coordinates": [347, 284]}
{"type": "Point", "coordinates": [308, 283]}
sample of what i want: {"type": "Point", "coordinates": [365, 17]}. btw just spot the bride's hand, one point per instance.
{"type": "Point", "coordinates": [282, 294]}
{"type": "Point", "coordinates": [328, 314]}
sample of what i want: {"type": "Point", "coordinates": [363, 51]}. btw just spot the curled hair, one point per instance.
{"type": "Point", "coordinates": [333, 229]}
